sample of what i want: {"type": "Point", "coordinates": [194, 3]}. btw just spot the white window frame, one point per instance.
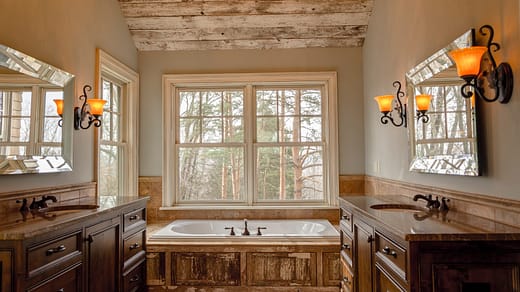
{"type": "Point", "coordinates": [330, 129]}
{"type": "Point", "coordinates": [107, 65]}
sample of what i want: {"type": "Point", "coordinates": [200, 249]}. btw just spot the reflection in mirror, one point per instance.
{"type": "Point", "coordinates": [31, 141]}
{"type": "Point", "coordinates": [447, 143]}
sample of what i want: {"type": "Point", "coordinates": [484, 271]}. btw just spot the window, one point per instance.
{"type": "Point", "coordinates": [29, 121]}
{"type": "Point", "coordinates": [250, 139]}
{"type": "Point", "coordinates": [117, 149]}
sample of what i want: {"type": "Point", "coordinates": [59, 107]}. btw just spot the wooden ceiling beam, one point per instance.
{"type": "Point", "coordinates": [153, 45]}
{"type": "Point", "coordinates": [305, 20]}
{"type": "Point", "coordinates": [248, 33]}
{"type": "Point", "coordinates": [241, 7]}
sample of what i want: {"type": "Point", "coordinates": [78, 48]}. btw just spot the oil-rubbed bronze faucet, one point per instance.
{"type": "Point", "coordinates": [245, 232]}
{"type": "Point", "coordinates": [430, 203]}
{"type": "Point", "coordinates": [42, 203]}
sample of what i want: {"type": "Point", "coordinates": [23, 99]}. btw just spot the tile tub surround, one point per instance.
{"type": "Point", "coordinates": [434, 226]}
{"type": "Point", "coordinates": [152, 187]}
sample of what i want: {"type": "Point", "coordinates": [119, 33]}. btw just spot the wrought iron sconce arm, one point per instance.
{"type": "Point", "coordinates": [81, 114]}
{"type": "Point", "coordinates": [421, 115]}
{"type": "Point", "coordinates": [399, 108]}
{"type": "Point", "coordinates": [499, 78]}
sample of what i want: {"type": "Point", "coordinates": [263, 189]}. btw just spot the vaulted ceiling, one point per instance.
{"type": "Point", "coordinates": [246, 24]}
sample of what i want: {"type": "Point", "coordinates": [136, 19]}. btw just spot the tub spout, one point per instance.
{"type": "Point", "coordinates": [245, 232]}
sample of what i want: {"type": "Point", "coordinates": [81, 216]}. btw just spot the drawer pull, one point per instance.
{"type": "Point", "coordinates": [61, 290]}
{"type": "Point", "coordinates": [134, 246]}
{"type": "Point", "coordinates": [345, 217]}
{"type": "Point", "coordinates": [134, 217]}
{"type": "Point", "coordinates": [346, 280]}
{"type": "Point", "coordinates": [52, 251]}
{"type": "Point", "coordinates": [345, 246]}
{"type": "Point", "coordinates": [134, 279]}
{"type": "Point", "coordinates": [390, 252]}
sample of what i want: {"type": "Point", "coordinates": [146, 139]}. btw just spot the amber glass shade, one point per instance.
{"type": "Point", "coordinates": [59, 106]}
{"type": "Point", "coordinates": [468, 60]}
{"type": "Point", "coordinates": [422, 101]}
{"type": "Point", "coordinates": [96, 106]}
{"type": "Point", "coordinates": [384, 102]}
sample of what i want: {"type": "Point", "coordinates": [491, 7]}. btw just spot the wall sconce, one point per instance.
{"type": "Point", "coordinates": [500, 78]}
{"type": "Point", "coordinates": [59, 110]}
{"type": "Point", "coordinates": [422, 101]}
{"type": "Point", "coordinates": [385, 103]}
{"type": "Point", "coordinates": [81, 114]}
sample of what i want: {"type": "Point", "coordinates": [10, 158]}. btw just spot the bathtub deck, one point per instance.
{"type": "Point", "coordinates": [227, 265]}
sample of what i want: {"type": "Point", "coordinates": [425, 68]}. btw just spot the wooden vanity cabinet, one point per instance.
{"type": "Point", "coordinates": [382, 261]}
{"type": "Point", "coordinates": [102, 252]}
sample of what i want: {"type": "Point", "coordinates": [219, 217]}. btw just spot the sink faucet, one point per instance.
{"type": "Point", "coordinates": [42, 203]}
{"type": "Point", "coordinates": [430, 203]}
{"type": "Point", "coordinates": [245, 232]}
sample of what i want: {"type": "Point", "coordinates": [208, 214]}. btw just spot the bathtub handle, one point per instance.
{"type": "Point", "coordinates": [259, 228]}
{"type": "Point", "coordinates": [232, 230]}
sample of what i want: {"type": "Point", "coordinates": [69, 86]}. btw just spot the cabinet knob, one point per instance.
{"type": "Point", "coordinates": [134, 279]}
{"type": "Point", "coordinates": [346, 280]}
{"type": "Point", "coordinates": [89, 238]}
{"type": "Point", "coordinates": [370, 238]}
{"type": "Point", "coordinates": [345, 246]}
{"type": "Point", "coordinates": [57, 249]}
{"type": "Point", "coordinates": [61, 290]}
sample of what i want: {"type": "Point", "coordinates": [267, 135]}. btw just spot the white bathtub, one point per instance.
{"type": "Point", "coordinates": [275, 230]}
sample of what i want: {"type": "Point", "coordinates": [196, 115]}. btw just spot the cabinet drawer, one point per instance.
{"type": "Point", "coordinates": [68, 281]}
{"type": "Point", "coordinates": [135, 279]}
{"type": "Point", "coordinates": [385, 283]}
{"type": "Point", "coordinates": [134, 219]}
{"type": "Point", "coordinates": [391, 254]}
{"type": "Point", "coordinates": [59, 249]}
{"type": "Point", "coordinates": [133, 245]}
{"type": "Point", "coordinates": [347, 277]}
{"type": "Point", "coordinates": [346, 246]}
{"type": "Point", "coordinates": [346, 220]}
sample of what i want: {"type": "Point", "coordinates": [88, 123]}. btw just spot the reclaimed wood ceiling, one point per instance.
{"type": "Point", "coordinates": [171, 25]}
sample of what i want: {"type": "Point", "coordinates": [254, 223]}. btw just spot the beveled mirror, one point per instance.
{"type": "Point", "coordinates": [31, 141]}
{"type": "Point", "coordinates": [447, 143]}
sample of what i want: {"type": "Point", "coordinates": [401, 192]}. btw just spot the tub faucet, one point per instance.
{"type": "Point", "coordinates": [245, 232]}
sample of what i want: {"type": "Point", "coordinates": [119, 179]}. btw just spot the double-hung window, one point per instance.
{"type": "Point", "coordinates": [250, 139]}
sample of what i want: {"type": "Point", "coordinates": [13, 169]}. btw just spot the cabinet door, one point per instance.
{"type": "Point", "coordinates": [6, 271]}
{"type": "Point", "coordinates": [363, 237]}
{"type": "Point", "coordinates": [103, 254]}
{"type": "Point", "coordinates": [281, 269]}
{"type": "Point", "coordinates": [206, 269]}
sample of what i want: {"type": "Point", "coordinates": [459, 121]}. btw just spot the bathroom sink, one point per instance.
{"type": "Point", "coordinates": [399, 208]}
{"type": "Point", "coordinates": [67, 208]}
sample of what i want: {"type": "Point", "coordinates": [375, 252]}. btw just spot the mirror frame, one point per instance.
{"type": "Point", "coordinates": [17, 61]}
{"type": "Point", "coordinates": [467, 165]}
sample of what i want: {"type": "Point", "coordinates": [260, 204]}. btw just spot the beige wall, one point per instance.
{"type": "Point", "coordinates": [404, 32]}
{"type": "Point", "coordinates": [346, 62]}
{"type": "Point", "coordinates": [65, 33]}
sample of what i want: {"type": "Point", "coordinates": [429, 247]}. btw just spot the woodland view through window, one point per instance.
{"type": "Point", "coordinates": [251, 143]}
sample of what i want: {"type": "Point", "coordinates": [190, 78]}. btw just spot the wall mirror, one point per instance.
{"type": "Point", "coordinates": [447, 143]}
{"type": "Point", "coordinates": [31, 141]}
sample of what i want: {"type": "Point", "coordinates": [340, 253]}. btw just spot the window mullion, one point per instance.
{"type": "Point", "coordinates": [250, 137]}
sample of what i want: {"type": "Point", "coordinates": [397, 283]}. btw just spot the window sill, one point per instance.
{"type": "Point", "coordinates": [195, 207]}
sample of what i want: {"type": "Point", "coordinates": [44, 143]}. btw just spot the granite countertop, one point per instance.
{"type": "Point", "coordinates": [18, 226]}
{"type": "Point", "coordinates": [428, 226]}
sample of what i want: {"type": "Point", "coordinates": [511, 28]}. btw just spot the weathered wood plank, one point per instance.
{"type": "Point", "coordinates": [157, 45]}
{"type": "Point", "coordinates": [290, 20]}
{"type": "Point", "coordinates": [238, 7]}
{"type": "Point", "coordinates": [250, 33]}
